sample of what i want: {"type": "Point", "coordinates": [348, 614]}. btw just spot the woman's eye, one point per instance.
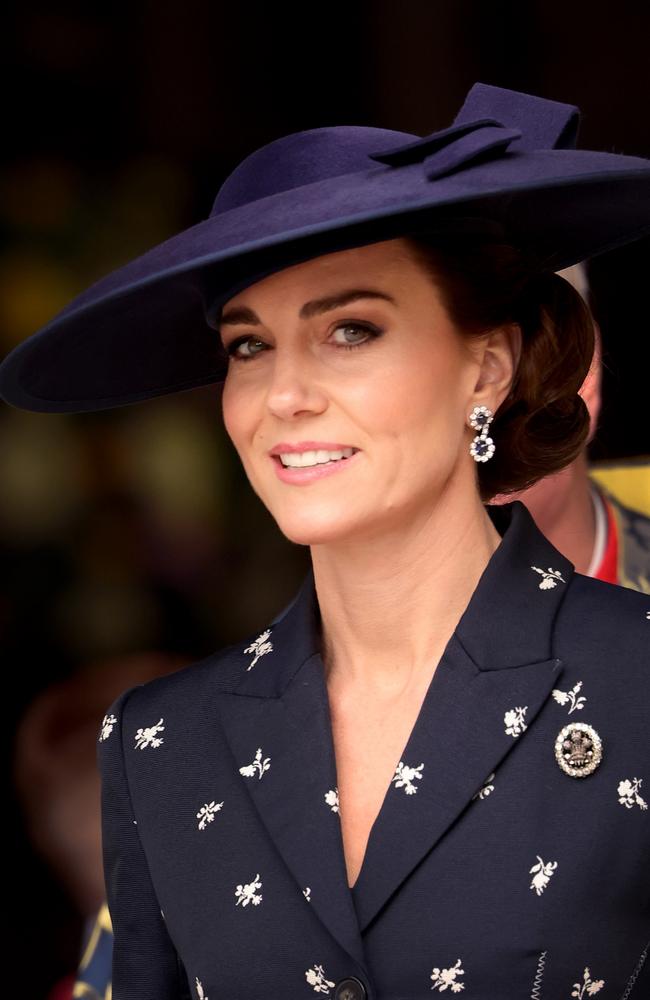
{"type": "Point", "coordinates": [370, 333]}
{"type": "Point", "coordinates": [232, 349]}
{"type": "Point", "coordinates": [367, 330]}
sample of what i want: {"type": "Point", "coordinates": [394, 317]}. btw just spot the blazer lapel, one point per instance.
{"type": "Point", "coordinates": [494, 677]}
{"type": "Point", "coordinates": [459, 739]}
{"type": "Point", "coordinates": [281, 706]}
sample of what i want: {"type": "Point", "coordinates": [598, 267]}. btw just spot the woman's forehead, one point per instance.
{"type": "Point", "coordinates": [381, 262]}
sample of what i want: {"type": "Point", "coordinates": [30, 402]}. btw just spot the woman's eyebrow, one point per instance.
{"type": "Point", "coordinates": [313, 308]}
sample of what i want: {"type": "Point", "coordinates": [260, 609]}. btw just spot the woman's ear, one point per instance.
{"type": "Point", "coordinates": [590, 389]}
{"type": "Point", "coordinates": [499, 354]}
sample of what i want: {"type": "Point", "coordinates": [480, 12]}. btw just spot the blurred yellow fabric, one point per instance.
{"type": "Point", "coordinates": [94, 974]}
{"type": "Point", "coordinates": [626, 479]}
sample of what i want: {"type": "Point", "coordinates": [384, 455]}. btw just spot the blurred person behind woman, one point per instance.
{"type": "Point", "coordinates": [58, 787]}
{"type": "Point", "coordinates": [603, 533]}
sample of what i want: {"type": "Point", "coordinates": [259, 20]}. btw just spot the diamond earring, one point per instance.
{"type": "Point", "coordinates": [482, 447]}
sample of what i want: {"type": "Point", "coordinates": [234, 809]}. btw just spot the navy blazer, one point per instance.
{"type": "Point", "coordinates": [490, 870]}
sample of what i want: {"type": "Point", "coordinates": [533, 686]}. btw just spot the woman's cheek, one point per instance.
{"type": "Point", "coordinates": [235, 411]}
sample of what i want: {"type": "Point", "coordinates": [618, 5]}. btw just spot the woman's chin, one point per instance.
{"type": "Point", "coordinates": [326, 528]}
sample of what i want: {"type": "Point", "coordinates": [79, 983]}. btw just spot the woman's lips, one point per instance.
{"type": "Point", "coordinates": [302, 476]}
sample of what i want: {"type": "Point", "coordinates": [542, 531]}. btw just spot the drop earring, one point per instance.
{"type": "Point", "coordinates": [482, 447]}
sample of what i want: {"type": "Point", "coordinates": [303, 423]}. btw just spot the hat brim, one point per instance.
{"type": "Point", "coordinates": [142, 331]}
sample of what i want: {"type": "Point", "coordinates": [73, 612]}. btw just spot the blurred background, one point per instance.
{"type": "Point", "coordinates": [131, 543]}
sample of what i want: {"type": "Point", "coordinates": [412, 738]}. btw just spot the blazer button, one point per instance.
{"type": "Point", "coordinates": [350, 989]}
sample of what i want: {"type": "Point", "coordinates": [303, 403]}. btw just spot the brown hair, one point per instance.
{"type": "Point", "coordinates": [543, 423]}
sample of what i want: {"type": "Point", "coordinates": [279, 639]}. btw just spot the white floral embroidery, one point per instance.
{"type": "Point", "coordinates": [486, 789]}
{"type": "Point", "coordinates": [148, 738]}
{"type": "Point", "coordinates": [207, 813]}
{"type": "Point", "coordinates": [107, 727]}
{"type": "Point", "coordinates": [199, 990]}
{"type": "Point", "coordinates": [445, 978]}
{"type": "Point", "coordinates": [307, 894]}
{"type": "Point", "coordinates": [246, 893]}
{"type": "Point", "coordinates": [316, 978]}
{"type": "Point", "coordinates": [259, 765]}
{"type": "Point", "coordinates": [404, 775]}
{"type": "Point", "coordinates": [332, 799]}
{"type": "Point", "coordinates": [647, 614]}
{"type": "Point", "coordinates": [542, 876]}
{"type": "Point", "coordinates": [260, 647]}
{"type": "Point", "coordinates": [588, 986]}
{"type": "Point", "coordinates": [514, 721]}
{"type": "Point", "coordinates": [629, 795]}
{"type": "Point", "coordinates": [550, 577]}
{"type": "Point", "coordinates": [562, 697]}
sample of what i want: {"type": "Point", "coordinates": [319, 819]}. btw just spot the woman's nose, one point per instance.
{"type": "Point", "coordinates": [294, 386]}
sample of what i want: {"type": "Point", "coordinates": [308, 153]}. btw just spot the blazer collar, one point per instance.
{"type": "Point", "coordinates": [504, 624]}
{"type": "Point", "coordinates": [499, 659]}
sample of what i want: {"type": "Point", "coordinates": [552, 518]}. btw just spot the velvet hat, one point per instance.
{"type": "Point", "coordinates": [508, 163]}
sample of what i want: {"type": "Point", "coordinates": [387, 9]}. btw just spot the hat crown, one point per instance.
{"type": "Point", "coordinates": [301, 158]}
{"type": "Point", "coordinates": [319, 154]}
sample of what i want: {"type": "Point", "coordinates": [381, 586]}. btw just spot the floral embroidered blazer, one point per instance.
{"type": "Point", "coordinates": [489, 870]}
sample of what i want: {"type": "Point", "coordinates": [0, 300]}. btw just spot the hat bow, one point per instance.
{"type": "Point", "coordinates": [488, 122]}
{"type": "Point", "coordinates": [442, 153]}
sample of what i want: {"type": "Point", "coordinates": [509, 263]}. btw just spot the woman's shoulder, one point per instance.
{"type": "Point", "coordinates": [605, 620]}
{"type": "Point", "coordinates": [587, 592]}
{"type": "Point", "coordinates": [198, 682]}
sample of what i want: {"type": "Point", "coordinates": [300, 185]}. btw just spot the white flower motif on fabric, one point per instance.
{"type": "Point", "coordinates": [332, 799]}
{"type": "Point", "coordinates": [628, 793]}
{"type": "Point", "coordinates": [260, 647]}
{"type": "Point", "coordinates": [149, 737]}
{"type": "Point", "coordinates": [564, 697]}
{"type": "Point", "coordinates": [485, 790]}
{"type": "Point", "coordinates": [588, 987]}
{"type": "Point", "coordinates": [247, 893]}
{"type": "Point", "coordinates": [207, 813]}
{"type": "Point", "coordinates": [404, 776]}
{"type": "Point", "coordinates": [258, 766]}
{"type": "Point", "coordinates": [107, 727]}
{"type": "Point", "coordinates": [307, 894]}
{"type": "Point", "coordinates": [647, 614]}
{"type": "Point", "coordinates": [514, 721]}
{"type": "Point", "coordinates": [199, 990]}
{"type": "Point", "coordinates": [316, 978]}
{"type": "Point", "coordinates": [550, 577]}
{"type": "Point", "coordinates": [542, 874]}
{"type": "Point", "coordinates": [444, 979]}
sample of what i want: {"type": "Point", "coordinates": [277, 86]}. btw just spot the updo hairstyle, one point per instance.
{"type": "Point", "coordinates": [543, 423]}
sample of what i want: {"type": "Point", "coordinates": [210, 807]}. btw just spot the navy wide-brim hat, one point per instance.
{"type": "Point", "coordinates": [508, 161]}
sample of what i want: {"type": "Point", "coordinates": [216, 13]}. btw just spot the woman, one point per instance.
{"type": "Point", "coordinates": [426, 774]}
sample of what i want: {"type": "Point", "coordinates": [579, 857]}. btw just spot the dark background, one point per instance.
{"type": "Point", "coordinates": [134, 531]}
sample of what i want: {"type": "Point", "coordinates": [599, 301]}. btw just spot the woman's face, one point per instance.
{"type": "Point", "coordinates": [386, 374]}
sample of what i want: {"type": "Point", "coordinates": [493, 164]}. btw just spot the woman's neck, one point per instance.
{"type": "Point", "coordinates": [388, 607]}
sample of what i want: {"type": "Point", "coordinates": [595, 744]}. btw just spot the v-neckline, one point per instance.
{"type": "Point", "coordinates": [412, 739]}
{"type": "Point", "coordinates": [403, 755]}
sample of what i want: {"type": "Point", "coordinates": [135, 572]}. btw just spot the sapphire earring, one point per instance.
{"type": "Point", "coordinates": [482, 447]}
